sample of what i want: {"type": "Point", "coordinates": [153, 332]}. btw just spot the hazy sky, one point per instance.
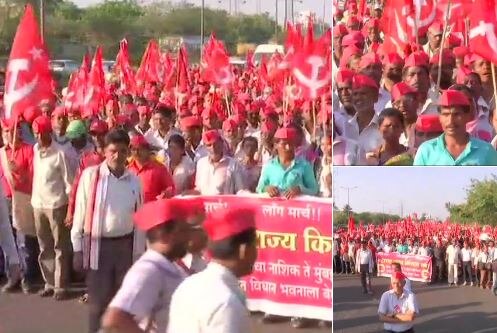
{"type": "Point", "coordinates": [419, 189]}
{"type": "Point", "coordinates": [251, 6]}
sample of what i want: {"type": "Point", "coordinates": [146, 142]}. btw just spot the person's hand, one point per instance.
{"type": "Point", "coordinates": [68, 220]}
{"type": "Point", "coordinates": [15, 272]}
{"type": "Point", "coordinates": [272, 191]}
{"type": "Point", "coordinates": [77, 261]}
{"type": "Point", "coordinates": [292, 192]}
{"type": "Point", "coordinates": [168, 193]}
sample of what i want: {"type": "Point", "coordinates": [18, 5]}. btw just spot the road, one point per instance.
{"type": "Point", "coordinates": [443, 309]}
{"type": "Point", "coordinates": [21, 313]}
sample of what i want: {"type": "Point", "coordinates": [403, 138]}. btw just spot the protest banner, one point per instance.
{"type": "Point", "coordinates": [293, 273]}
{"type": "Point", "coordinates": [416, 268]}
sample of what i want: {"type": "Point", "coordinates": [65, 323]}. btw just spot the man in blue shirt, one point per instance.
{"type": "Point", "coordinates": [455, 146]}
{"type": "Point", "coordinates": [285, 175]}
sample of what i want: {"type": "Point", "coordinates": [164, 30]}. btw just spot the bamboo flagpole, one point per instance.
{"type": "Point", "coordinates": [495, 86]}
{"type": "Point", "coordinates": [444, 36]}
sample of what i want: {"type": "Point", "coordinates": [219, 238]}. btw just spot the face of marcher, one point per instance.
{"type": "Point", "coordinates": [397, 286]}
{"type": "Point", "coordinates": [417, 78]}
{"type": "Point", "coordinates": [484, 70]}
{"type": "Point", "coordinates": [364, 98]}
{"type": "Point", "coordinates": [391, 129]}
{"type": "Point", "coordinates": [408, 106]}
{"type": "Point", "coordinates": [393, 72]}
{"type": "Point", "coordinates": [454, 120]}
{"type": "Point", "coordinates": [344, 91]}
{"type": "Point", "coordinates": [116, 155]}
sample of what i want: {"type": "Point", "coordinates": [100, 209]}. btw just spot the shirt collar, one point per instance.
{"type": "Point", "coordinates": [374, 120]}
{"type": "Point", "coordinates": [224, 273]}
{"type": "Point", "coordinates": [162, 261]}
{"type": "Point", "coordinates": [105, 171]}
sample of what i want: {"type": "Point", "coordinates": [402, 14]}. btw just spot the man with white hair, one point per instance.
{"type": "Point", "coordinates": [398, 307]}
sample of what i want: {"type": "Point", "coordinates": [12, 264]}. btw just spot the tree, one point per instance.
{"type": "Point", "coordinates": [347, 209]}
{"type": "Point", "coordinates": [480, 205]}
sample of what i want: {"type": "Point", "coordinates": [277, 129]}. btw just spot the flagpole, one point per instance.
{"type": "Point", "coordinates": [495, 85]}
{"type": "Point", "coordinates": [444, 36]}
{"type": "Point", "coordinates": [42, 20]}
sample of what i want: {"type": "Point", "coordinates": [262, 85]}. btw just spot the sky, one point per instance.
{"type": "Point", "coordinates": [417, 189]}
{"type": "Point", "coordinates": [251, 6]}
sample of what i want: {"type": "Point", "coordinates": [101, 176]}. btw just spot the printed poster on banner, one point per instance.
{"type": "Point", "coordinates": [293, 273]}
{"type": "Point", "coordinates": [416, 268]}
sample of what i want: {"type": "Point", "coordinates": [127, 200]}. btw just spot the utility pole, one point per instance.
{"type": "Point", "coordinates": [401, 209]}
{"type": "Point", "coordinates": [276, 21]}
{"type": "Point", "coordinates": [286, 13]}
{"type": "Point", "coordinates": [348, 189]}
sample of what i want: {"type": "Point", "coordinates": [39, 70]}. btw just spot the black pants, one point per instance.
{"type": "Point", "coordinates": [467, 271]}
{"type": "Point", "coordinates": [115, 258]}
{"type": "Point", "coordinates": [365, 277]}
{"type": "Point", "coordinates": [439, 270]}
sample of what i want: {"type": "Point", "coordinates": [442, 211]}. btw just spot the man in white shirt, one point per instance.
{"type": "Point", "coordinates": [147, 288]}
{"type": "Point", "coordinates": [211, 301]}
{"type": "Point", "coordinates": [467, 271]}
{"type": "Point", "coordinates": [159, 135]}
{"type": "Point", "coordinates": [217, 173]}
{"type": "Point", "coordinates": [364, 266]}
{"type": "Point", "coordinates": [103, 236]}
{"type": "Point", "coordinates": [364, 127]}
{"type": "Point", "coordinates": [407, 283]}
{"type": "Point", "coordinates": [452, 257]}
{"type": "Point", "coordinates": [52, 181]}
{"type": "Point", "coordinates": [398, 307]}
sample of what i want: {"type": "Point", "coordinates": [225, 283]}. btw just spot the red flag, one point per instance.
{"type": "Point", "coordinates": [351, 224]}
{"type": "Point", "coordinates": [250, 63]}
{"type": "Point", "coordinates": [150, 65]}
{"type": "Point", "coordinates": [183, 81]}
{"type": "Point", "coordinates": [218, 68]}
{"type": "Point", "coordinates": [483, 32]}
{"type": "Point", "coordinates": [124, 69]}
{"type": "Point", "coordinates": [95, 91]}
{"type": "Point", "coordinates": [28, 79]}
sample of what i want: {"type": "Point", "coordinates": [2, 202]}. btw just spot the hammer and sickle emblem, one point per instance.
{"type": "Point", "coordinates": [13, 95]}
{"type": "Point", "coordinates": [313, 82]}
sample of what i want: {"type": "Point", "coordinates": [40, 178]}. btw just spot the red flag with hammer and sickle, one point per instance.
{"type": "Point", "coordinates": [483, 32]}
{"type": "Point", "coordinates": [28, 78]}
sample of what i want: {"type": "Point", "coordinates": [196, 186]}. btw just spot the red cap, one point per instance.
{"type": "Point", "coordinates": [362, 81]}
{"type": "Point", "coordinates": [210, 137]}
{"type": "Point", "coordinates": [122, 120]}
{"type": "Point", "coordinates": [372, 23]}
{"type": "Point", "coordinates": [229, 222]}
{"type": "Point", "coordinates": [428, 123]}
{"type": "Point", "coordinates": [353, 38]}
{"type": "Point", "coordinates": [348, 52]}
{"type": "Point", "coordinates": [453, 98]}
{"type": "Point", "coordinates": [340, 30]}
{"type": "Point", "coordinates": [447, 57]}
{"type": "Point", "coordinates": [401, 89]}
{"type": "Point", "coordinates": [475, 57]}
{"type": "Point", "coordinates": [460, 51]}
{"type": "Point", "coordinates": [393, 59]}
{"type": "Point", "coordinates": [268, 127]}
{"type": "Point", "coordinates": [398, 276]}
{"type": "Point", "coordinates": [229, 125]}
{"type": "Point", "coordinates": [191, 121]}
{"type": "Point", "coordinates": [144, 109]}
{"type": "Point", "coordinates": [30, 114]}
{"type": "Point", "coordinates": [209, 112]}
{"type": "Point", "coordinates": [98, 126]}
{"type": "Point", "coordinates": [42, 124]}
{"type": "Point", "coordinates": [462, 73]}
{"type": "Point", "coordinates": [59, 111]}
{"type": "Point", "coordinates": [344, 75]}
{"type": "Point", "coordinates": [138, 141]}
{"type": "Point", "coordinates": [369, 59]}
{"type": "Point", "coordinates": [111, 104]}
{"type": "Point", "coordinates": [163, 211]}
{"type": "Point", "coordinates": [436, 28]}
{"type": "Point", "coordinates": [286, 133]}
{"type": "Point", "coordinates": [417, 59]}
{"type": "Point", "coordinates": [353, 20]}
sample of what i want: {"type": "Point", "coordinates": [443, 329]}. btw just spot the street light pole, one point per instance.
{"type": "Point", "coordinates": [349, 188]}
{"type": "Point", "coordinates": [286, 13]}
{"type": "Point", "coordinates": [276, 22]}
{"type": "Point", "coordinates": [42, 20]}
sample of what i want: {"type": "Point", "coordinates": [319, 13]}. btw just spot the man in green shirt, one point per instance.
{"type": "Point", "coordinates": [455, 146]}
{"type": "Point", "coordinates": [285, 175]}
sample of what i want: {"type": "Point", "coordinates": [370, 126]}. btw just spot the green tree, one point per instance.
{"type": "Point", "coordinates": [480, 205]}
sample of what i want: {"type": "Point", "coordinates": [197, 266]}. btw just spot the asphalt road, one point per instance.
{"type": "Point", "coordinates": [443, 309]}
{"type": "Point", "coordinates": [21, 313]}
